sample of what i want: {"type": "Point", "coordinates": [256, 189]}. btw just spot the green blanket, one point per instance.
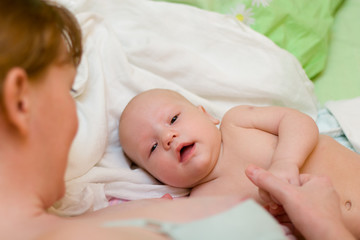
{"type": "Point", "coordinates": [341, 77]}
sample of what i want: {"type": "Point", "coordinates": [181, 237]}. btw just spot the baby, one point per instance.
{"type": "Point", "coordinates": [180, 145]}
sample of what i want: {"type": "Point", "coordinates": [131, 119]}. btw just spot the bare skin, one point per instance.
{"type": "Point", "coordinates": [329, 158]}
{"type": "Point", "coordinates": [342, 166]}
{"type": "Point", "coordinates": [295, 199]}
{"type": "Point", "coordinates": [91, 225]}
{"type": "Point", "coordinates": [179, 144]}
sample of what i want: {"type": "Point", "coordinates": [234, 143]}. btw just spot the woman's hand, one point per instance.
{"type": "Point", "coordinates": [313, 207]}
{"type": "Point", "coordinates": [283, 170]}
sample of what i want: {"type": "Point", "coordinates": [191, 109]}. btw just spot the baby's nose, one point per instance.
{"type": "Point", "coordinates": [168, 138]}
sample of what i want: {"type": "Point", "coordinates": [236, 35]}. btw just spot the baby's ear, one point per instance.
{"type": "Point", "coordinates": [214, 120]}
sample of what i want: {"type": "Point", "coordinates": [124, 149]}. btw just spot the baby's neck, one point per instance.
{"type": "Point", "coordinates": [213, 177]}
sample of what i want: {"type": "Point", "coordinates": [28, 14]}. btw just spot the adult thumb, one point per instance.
{"type": "Point", "coordinates": [268, 182]}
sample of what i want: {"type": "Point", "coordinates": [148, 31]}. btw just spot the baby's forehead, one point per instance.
{"type": "Point", "coordinates": [153, 104]}
{"type": "Point", "coordinates": [155, 100]}
{"type": "Point", "coordinates": [159, 95]}
{"type": "Point", "coordinates": [139, 107]}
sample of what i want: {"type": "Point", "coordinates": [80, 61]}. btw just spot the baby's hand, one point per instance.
{"type": "Point", "coordinates": [286, 171]}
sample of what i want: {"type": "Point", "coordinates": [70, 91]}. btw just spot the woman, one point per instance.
{"type": "Point", "coordinates": [40, 47]}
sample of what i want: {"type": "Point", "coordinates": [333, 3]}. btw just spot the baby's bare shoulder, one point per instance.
{"type": "Point", "coordinates": [237, 111]}
{"type": "Point", "coordinates": [237, 116]}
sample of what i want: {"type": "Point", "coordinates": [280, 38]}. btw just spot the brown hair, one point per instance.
{"type": "Point", "coordinates": [31, 32]}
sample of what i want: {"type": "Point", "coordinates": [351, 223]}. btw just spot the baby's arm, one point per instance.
{"type": "Point", "coordinates": [297, 135]}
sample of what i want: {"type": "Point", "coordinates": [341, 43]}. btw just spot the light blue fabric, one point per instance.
{"type": "Point", "coordinates": [247, 220]}
{"type": "Point", "coordinates": [328, 125]}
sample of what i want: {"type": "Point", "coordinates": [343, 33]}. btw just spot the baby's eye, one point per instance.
{"type": "Point", "coordinates": [153, 147]}
{"type": "Point", "coordinates": [173, 119]}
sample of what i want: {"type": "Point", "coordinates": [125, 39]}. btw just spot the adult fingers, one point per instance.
{"type": "Point", "coordinates": [266, 181]}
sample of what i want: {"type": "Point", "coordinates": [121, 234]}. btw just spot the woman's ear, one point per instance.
{"type": "Point", "coordinates": [214, 120]}
{"type": "Point", "coordinates": [15, 94]}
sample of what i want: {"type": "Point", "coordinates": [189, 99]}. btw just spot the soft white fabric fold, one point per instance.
{"type": "Point", "coordinates": [347, 113]}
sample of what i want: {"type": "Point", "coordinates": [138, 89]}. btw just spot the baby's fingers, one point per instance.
{"type": "Point", "coordinates": [265, 196]}
{"type": "Point", "coordinates": [304, 178]}
{"type": "Point", "coordinates": [270, 201]}
{"type": "Point", "coordinates": [269, 183]}
{"type": "Point", "coordinates": [276, 211]}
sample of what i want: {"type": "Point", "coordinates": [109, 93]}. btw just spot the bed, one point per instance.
{"type": "Point", "coordinates": [301, 54]}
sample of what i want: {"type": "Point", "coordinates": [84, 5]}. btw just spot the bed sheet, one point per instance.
{"type": "Point", "coordinates": [347, 113]}
{"type": "Point", "coordinates": [322, 34]}
{"type": "Point", "coordinates": [300, 27]}
{"type": "Point", "coordinates": [131, 46]}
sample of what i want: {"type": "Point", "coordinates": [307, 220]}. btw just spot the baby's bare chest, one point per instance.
{"type": "Point", "coordinates": [244, 146]}
{"type": "Point", "coordinates": [241, 147]}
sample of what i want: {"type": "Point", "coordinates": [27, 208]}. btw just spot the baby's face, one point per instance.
{"type": "Point", "coordinates": [172, 139]}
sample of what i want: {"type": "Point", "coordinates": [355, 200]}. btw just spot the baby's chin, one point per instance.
{"type": "Point", "coordinates": [189, 183]}
{"type": "Point", "coordinates": [180, 182]}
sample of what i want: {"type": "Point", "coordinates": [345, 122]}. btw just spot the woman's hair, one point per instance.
{"type": "Point", "coordinates": [31, 33]}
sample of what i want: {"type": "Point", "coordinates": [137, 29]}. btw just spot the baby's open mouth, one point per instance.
{"type": "Point", "coordinates": [185, 152]}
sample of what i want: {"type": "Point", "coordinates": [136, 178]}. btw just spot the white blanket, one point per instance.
{"type": "Point", "coordinates": [134, 45]}
{"type": "Point", "coordinates": [347, 113]}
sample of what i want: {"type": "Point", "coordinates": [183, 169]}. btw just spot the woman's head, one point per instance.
{"type": "Point", "coordinates": [31, 33]}
{"type": "Point", "coordinates": [40, 47]}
